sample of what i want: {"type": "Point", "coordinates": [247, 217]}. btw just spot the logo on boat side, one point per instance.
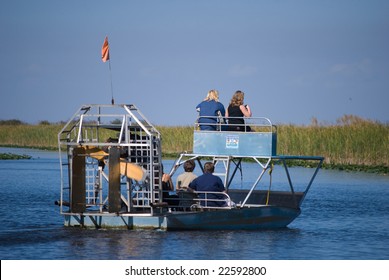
{"type": "Point", "coordinates": [232, 141]}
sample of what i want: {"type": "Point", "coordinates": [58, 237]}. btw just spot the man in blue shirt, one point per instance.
{"type": "Point", "coordinates": [209, 183]}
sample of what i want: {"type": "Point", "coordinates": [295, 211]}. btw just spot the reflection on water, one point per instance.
{"type": "Point", "coordinates": [345, 216]}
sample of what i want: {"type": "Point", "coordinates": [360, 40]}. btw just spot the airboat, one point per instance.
{"type": "Point", "coordinates": [111, 175]}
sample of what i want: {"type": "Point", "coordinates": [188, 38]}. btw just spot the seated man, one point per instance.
{"type": "Point", "coordinates": [184, 179]}
{"type": "Point", "coordinates": [209, 183]}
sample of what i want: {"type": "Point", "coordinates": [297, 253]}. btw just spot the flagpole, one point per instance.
{"type": "Point", "coordinates": [106, 56]}
{"type": "Point", "coordinates": [110, 73]}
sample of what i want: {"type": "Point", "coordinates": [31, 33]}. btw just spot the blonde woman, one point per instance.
{"type": "Point", "coordinates": [209, 110]}
{"type": "Point", "coordinates": [236, 112]}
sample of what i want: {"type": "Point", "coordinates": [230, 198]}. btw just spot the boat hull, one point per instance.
{"type": "Point", "coordinates": [266, 217]}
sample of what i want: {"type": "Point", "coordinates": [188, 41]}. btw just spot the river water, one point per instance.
{"type": "Point", "coordinates": [345, 216]}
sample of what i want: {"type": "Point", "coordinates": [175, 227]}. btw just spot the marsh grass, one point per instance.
{"type": "Point", "coordinates": [32, 136]}
{"type": "Point", "coordinates": [352, 141]}
{"type": "Point", "coordinates": [176, 139]}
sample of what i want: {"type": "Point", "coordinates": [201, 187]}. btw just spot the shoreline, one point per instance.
{"type": "Point", "coordinates": [382, 170]}
{"type": "Point", "coordinates": [353, 144]}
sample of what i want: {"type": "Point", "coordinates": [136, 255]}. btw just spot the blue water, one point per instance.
{"type": "Point", "coordinates": [344, 216]}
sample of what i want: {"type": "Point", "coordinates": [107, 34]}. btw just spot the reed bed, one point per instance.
{"type": "Point", "coordinates": [176, 139]}
{"type": "Point", "coordinates": [357, 142]}
{"type": "Point", "coordinates": [352, 141]}
{"type": "Point", "coordinates": [31, 136]}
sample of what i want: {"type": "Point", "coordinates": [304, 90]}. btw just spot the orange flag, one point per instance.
{"type": "Point", "coordinates": [105, 50]}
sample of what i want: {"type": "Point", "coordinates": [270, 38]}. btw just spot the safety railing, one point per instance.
{"type": "Point", "coordinates": [237, 124]}
{"type": "Point", "coordinates": [183, 200]}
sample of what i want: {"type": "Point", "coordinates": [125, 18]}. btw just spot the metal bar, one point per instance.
{"type": "Point", "coordinates": [227, 166]}
{"type": "Point", "coordinates": [80, 129]}
{"type": "Point", "coordinates": [237, 166]}
{"type": "Point", "coordinates": [100, 172]}
{"type": "Point", "coordinates": [122, 130]}
{"type": "Point", "coordinates": [260, 163]}
{"type": "Point", "coordinates": [176, 165]}
{"type": "Point", "coordinates": [256, 182]}
{"type": "Point", "coordinates": [290, 181]}
{"type": "Point", "coordinates": [311, 181]}
{"type": "Point", "coordinates": [143, 117]}
{"type": "Point", "coordinates": [61, 175]}
{"type": "Point", "coordinates": [72, 119]}
{"type": "Point", "coordinates": [138, 121]}
{"type": "Point", "coordinates": [225, 161]}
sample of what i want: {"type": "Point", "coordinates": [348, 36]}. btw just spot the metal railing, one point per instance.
{"type": "Point", "coordinates": [200, 200]}
{"type": "Point", "coordinates": [248, 124]}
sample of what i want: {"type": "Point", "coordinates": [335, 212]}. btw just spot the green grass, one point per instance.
{"type": "Point", "coordinates": [352, 144]}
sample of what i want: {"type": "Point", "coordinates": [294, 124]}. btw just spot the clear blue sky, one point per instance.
{"type": "Point", "coordinates": [294, 59]}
